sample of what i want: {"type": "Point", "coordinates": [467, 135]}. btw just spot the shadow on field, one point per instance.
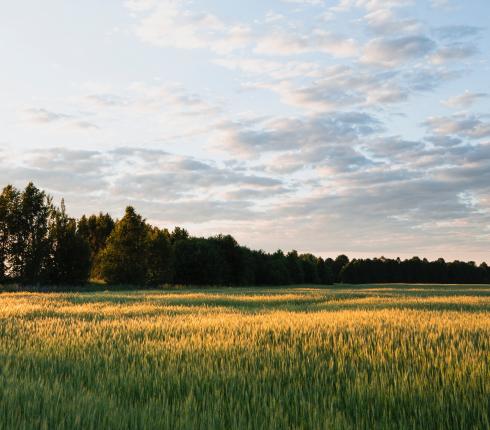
{"type": "Point", "coordinates": [300, 299]}
{"type": "Point", "coordinates": [178, 301]}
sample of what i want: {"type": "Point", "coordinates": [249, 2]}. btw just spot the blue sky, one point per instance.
{"type": "Point", "coordinates": [356, 126]}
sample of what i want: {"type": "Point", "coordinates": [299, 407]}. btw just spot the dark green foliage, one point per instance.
{"type": "Point", "coordinates": [124, 260]}
{"type": "Point", "coordinates": [325, 273]}
{"type": "Point", "coordinates": [248, 269]}
{"type": "Point", "coordinates": [32, 239]}
{"type": "Point", "coordinates": [70, 252]}
{"type": "Point", "coordinates": [8, 201]}
{"type": "Point", "coordinates": [310, 268]}
{"type": "Point", "coordinates": [160, 257]}
{"type": "Point", "coordinates": [295, 267]}
{"type": "Point", "coordinates": [24, 224]}
{"type": "Point", "coordinates": [179, 234]}
{"type": "Point", "coordinates": [39, 244]}
{"type": "Point", "coordinates": [96, 229]}
{"type": "Point", "coordinates": [340, 262]}
{"type": "Point", "coordinates": [231, 257]}
{"type": "Point", "coordinates": [277, 270]}
{"type": "Point", "coordinates": [199, 262]}
{"type": "Point", "coordinates": [271, 269]}
{"type": "Point", "coordinates": [415, 270]}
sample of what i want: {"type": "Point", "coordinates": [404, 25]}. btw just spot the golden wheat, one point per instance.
{"type": "Point", "coordinates": [372, 357]}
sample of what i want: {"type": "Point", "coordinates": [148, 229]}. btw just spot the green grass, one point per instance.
{"type": "Point", "coordinates": [360, 357]}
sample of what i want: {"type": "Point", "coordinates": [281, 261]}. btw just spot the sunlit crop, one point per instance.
{"type": "Point", "coordinates": [372, 357]}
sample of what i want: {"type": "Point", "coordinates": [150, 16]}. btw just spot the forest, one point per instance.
{"type": "Point", "coordinates": [40, 244]}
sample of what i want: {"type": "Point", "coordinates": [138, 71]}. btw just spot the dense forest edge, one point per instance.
{"type": "Point", "coordinates": [40, 245]}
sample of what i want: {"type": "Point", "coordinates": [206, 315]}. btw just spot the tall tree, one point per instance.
{"type": "Point", "coordinates": [70, 252]}
{"type": "Point", "coordinates": [9, 220]}
{"type": "Point", "coordinates": [29, 235]}
{"type": "Point", "coordinates": [340, 262]}
{"type": "Point", "coordinates": [295, 268]}
{"type": "Point", "coordinates": [160, 257]}
{"type": "Point", "coordinates": [310, 268]}
{"type": "Point", "coordinates": [232, 259]}
{"type": "Point", "coordinates": [179, 234]}
{"type": "Point", "coordinates": [10, 225]}
{"type": "Point", "coordinates": [325, 274]}
{"type": "Point", "coordinates": [96, 229]}
{"type": "Point", "coordinates": [198, 262]}
{"type": "Point", "coordinates": [125, 258]}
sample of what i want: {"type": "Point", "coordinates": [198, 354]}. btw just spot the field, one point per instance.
{"type": "Point", "coordinates": [398, 357]}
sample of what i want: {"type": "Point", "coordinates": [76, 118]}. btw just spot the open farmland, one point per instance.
{"type": "Point", "coordinates": [346, 357]}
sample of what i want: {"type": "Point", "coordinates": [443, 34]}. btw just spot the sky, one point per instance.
{"type": "Point", "coordinates": [327, 126]}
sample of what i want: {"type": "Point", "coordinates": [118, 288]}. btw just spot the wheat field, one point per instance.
{"type": "Point", "coordinates": [394, 357]}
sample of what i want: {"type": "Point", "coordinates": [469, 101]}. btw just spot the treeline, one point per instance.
{"type": "Point", "coordinates": [414, 270]}
{"type": "Point", "coordinates": [41, 245]}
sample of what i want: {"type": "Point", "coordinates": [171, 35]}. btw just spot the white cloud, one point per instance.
{"type": "Point", "coordinates": [454, 52]}
{"type": "Point", "coordinates": [384, 21]}
{"type": "Point", "coordinates": [288, 43]}
{"type": "Point", "coordinates": [371, 5]}
{"type": "Point", "coordinates": [277, 70]}
{"type": "Point", "coordinates": [469, 126]}
{"type": "Point", "coordinates": [43, 116]}
{"type": "Point", "coordinates": [465, 100]}
{"type": "Point", "coordinates": [341, 87]}
{"type": "Point", "coordinates": [396, 51]}
{"type": "Point", "coordinates": [306, 2]}
{"type": "Point", "coordinates": [170, 24]}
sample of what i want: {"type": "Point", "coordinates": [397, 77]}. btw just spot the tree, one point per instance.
{"type": "Point", "coordinates": [310, 268]}
{"type": "Point", "coordinates": [230, 255]}
{"type": "Point", "coordinates": [198, 262]}
{"type": "Point", "coordinates": [276, 270]}
{"type": "Point", "coordinates": [484, 273]}
{"type": "Point", "coordinates": [179, 234]}
{"type": "Point", "coordinates": [248, 272]}
{"type": "Point", "coordinates": [325, 273]}
{"type": "Point", "coordinates": [295, 268]}
{"type": "Point", "coordinates": [96, 229]}
{"type": "Point", "coordinates": [351, 273]}
{"type": "Point", "coordinates": [160, 257]}
{"type": "Point", "coordinates": [125, 258]}
{"type": "Point", "coordinates": [25, 243]}
{"type": "Point", "coordinates": [340, 262]}
{"type": "Point", "coordinates": [70, 252]}
{"type": "Point", "coordinates": [33, 244]}
{"type": "Point", "coordinates": [9, 209]}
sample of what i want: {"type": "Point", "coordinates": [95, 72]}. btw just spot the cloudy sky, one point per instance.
{"type": "Point", "coordinates": [356, 126]}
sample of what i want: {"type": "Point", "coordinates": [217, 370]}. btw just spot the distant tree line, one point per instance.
{"type": "Point", "coordinates": [414, 270]}
{"type": "Point", "coordinates": [41, 245]}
